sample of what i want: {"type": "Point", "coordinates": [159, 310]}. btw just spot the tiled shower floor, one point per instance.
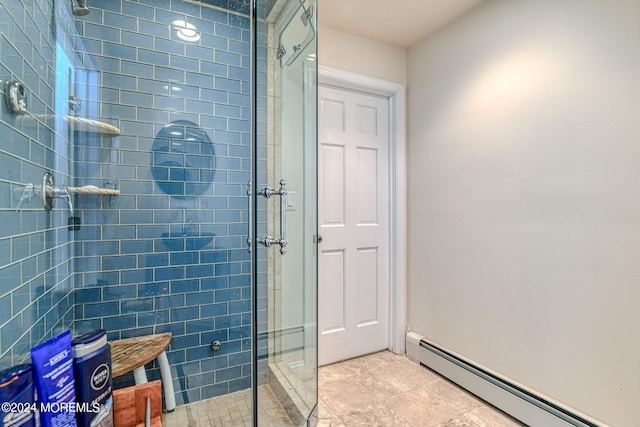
{"type": "Point", "coordinates": [232, 410]}
{"type": "Point", "coordinates": [381, 389]}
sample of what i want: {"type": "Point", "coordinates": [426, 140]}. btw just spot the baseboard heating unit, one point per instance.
{"type": "Point", "coordinates": [524, 405]}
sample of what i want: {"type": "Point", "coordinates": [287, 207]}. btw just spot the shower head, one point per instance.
{"type": "Point", "coordinates": [79, 7]}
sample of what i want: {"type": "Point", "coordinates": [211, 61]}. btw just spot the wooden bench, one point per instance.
{"type": "Point", "coordinates": [131, 354]}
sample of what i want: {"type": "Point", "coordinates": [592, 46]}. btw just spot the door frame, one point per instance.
{"type": "Point", "coordinates": [396, 94]}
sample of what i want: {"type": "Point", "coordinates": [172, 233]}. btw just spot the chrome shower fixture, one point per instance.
{"type": "Point", "coordinates": [79, 7]}
{"type": "Point", "coordinates": [307, 14]}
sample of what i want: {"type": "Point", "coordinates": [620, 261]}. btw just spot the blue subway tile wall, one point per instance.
{"type": "Point", "coordinates": [36, 248]}
{"type": "Point", "coordinates": [168, 253]}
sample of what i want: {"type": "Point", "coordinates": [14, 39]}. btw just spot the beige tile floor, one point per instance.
{"type": "Point", "coordinates": [385, 389]}
{"type": "Point", "coordinates": [381, 389]}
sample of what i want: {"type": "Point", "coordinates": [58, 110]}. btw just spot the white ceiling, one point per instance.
{"type": "Point", "coordinates": [400, 23]}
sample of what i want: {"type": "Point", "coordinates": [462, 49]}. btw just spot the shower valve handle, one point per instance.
{"type": "Point", "coordinates": [49, 191]}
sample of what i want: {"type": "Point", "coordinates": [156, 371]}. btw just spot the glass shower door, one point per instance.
{"type": "Point", "coordinates": [286, 213]}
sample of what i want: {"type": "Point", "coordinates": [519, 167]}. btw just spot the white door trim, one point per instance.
{"type": "Point", "coordinates": [396, 93]}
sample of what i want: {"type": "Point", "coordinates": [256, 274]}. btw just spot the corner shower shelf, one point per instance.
{"type": "Point", "coordinates": [92, 189]}
{"type": "Point", "coordinates": [79, 124]}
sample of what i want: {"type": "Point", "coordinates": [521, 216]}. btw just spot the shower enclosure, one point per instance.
{"type": "Point", "coordinates": [158, 174]}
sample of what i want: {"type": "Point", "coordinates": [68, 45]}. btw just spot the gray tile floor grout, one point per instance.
{"type": "Point", "coordinates": [385, 389]}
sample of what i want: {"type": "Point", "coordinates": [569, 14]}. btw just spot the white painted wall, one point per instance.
{"type": "Point", "coordinates": [524, 199]}
{"type": "Point", "coordinates": [359, 55]}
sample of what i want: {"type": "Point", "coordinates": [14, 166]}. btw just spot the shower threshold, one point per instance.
{"type": "Point", "coordinates": [233, 409]}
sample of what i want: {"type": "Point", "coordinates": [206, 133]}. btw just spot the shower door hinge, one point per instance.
{"type": "Point", "coordinates": [281, 52]}
{"type": "Point", "coordinates": [307, 15]}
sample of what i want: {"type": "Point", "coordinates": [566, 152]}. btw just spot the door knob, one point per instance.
{"type": "Point", "coordinates": [318, 239]}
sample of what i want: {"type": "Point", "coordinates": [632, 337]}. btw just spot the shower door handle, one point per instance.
{"type": "Point", "coordinates": [268, 241]}
{"type": "Point", "coordinates": [250, 228]}
{"type": "Point", "coordinates": [283, 217]}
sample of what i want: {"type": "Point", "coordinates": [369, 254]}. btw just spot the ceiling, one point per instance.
{"type": "Point", "coordinates": [400, 23]}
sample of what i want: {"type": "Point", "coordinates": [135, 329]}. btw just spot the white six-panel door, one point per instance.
{"type": "Point", "coordinates": [353, 185]}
